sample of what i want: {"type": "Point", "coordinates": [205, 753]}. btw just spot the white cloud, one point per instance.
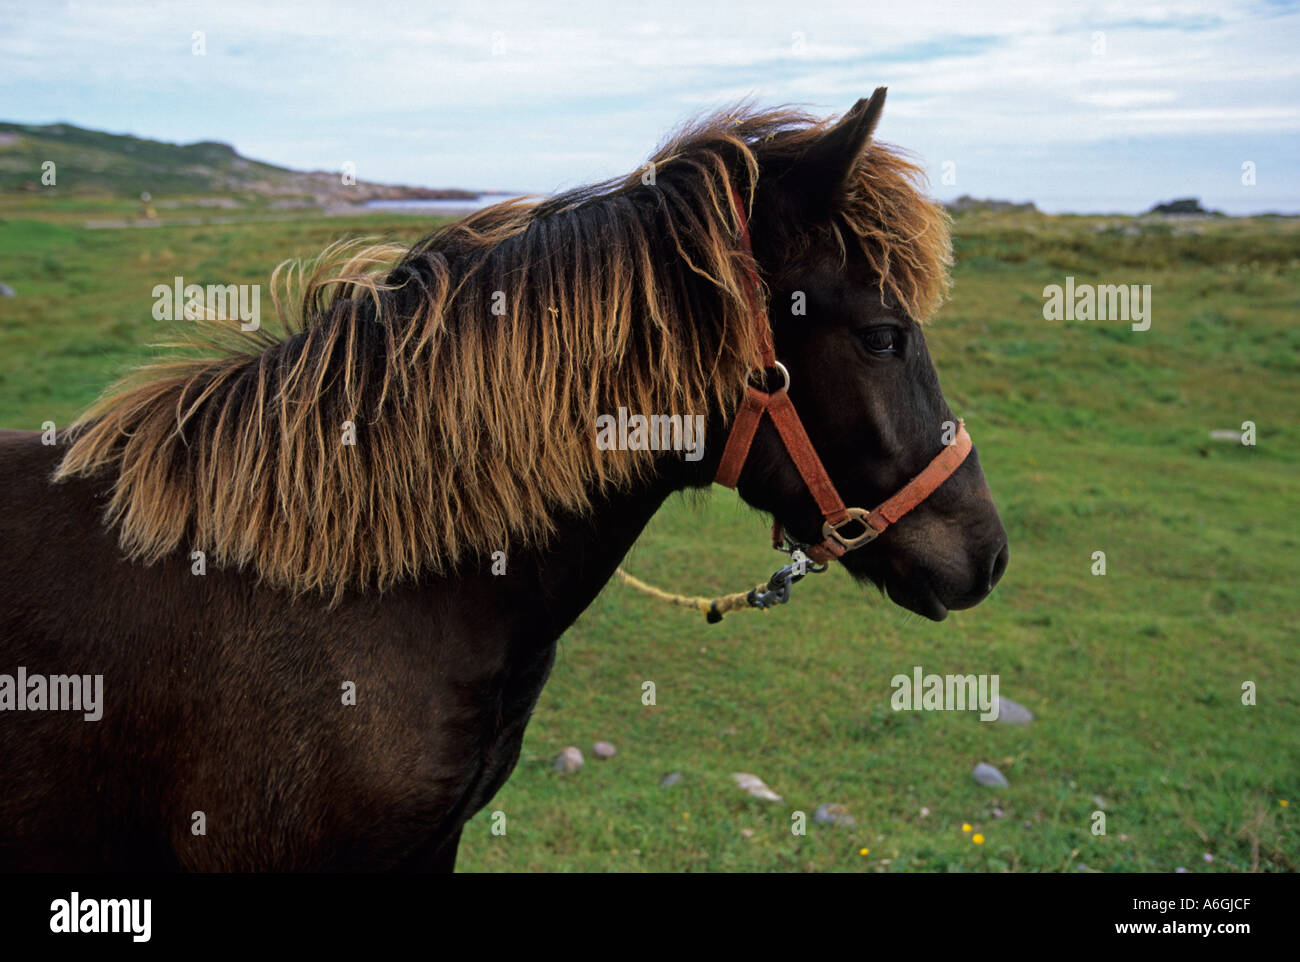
{"type": "Point", "coordinates": [415, 90]}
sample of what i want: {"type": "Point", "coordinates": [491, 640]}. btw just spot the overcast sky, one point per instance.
{"type": "Point", "coordinates": [1076, 106]}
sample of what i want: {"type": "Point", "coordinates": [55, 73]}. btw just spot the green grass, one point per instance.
{"type": "Point", "coordinates": [1093, 437]}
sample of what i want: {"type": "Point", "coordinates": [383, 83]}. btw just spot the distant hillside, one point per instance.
{"type": "Point", "coordinates": [1186, 206]}
{"type": "Point", "coordinates": [968, 203]}
{"type": "Point", "coordinates": [119, 165]}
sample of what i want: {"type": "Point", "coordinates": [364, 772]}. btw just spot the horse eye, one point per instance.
{"type": "Point", "coordinates": [880, 340]}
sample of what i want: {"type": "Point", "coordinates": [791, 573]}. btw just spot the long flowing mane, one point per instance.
{"type": "Point", "coordinates": [472, 368]}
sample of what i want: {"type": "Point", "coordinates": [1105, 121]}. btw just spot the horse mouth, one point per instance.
{"type": "Point", "coordinates": [921, 601]}
{"type": "Point", "coordinates": [912, 587]}
{"type": "Point", "coordinates": [913, 594]}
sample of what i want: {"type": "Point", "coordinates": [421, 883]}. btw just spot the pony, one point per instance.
{"type": "Point", "coordinates": [322, 570]}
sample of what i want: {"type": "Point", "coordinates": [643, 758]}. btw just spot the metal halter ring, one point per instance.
{"type": "Point", "coordinates": [785, 373]}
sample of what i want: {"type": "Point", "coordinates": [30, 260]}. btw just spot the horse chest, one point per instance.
{"type": "Point", "coordinates": [433, 767]}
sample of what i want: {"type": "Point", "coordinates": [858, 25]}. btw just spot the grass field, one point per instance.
{"type": "Point", "coordinates": [1093, 437]}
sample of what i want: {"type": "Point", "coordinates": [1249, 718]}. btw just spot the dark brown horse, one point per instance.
{"type": "Point", "coordinates": [323, 574]}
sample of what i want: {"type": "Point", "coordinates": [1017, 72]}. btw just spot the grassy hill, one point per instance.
{"type": "Point", "coordinates": [1093, 438]}
{"type": "Point", "coordinates": [91, 162]}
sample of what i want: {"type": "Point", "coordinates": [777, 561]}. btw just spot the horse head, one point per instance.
{"type": "Point", "coordinates": [851, 257]}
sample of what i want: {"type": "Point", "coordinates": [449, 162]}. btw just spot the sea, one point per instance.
{"type": "Point", "coordinates": [459, 206]}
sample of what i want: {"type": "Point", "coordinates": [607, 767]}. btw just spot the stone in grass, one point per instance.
{"type": "Point", "coordinates": [603, 750]}
{"type": "Point", "coordinates": [755, 786]}
{"type": "Point", "coordinates": [1013, 713]}
{"type": "Point", "coordinates": [831, 814]}
{"type": "Point", "coordinates": [7, 291]}
{"type": "Point", "coordinates": [986, 774]}
{"type": "Point", "coordinates": [671, 779]}
{"type": "Point", "coordinates": [569, 760]}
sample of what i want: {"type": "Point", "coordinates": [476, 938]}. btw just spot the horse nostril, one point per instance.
{"type": "Point", "coordinates": [999, 565]}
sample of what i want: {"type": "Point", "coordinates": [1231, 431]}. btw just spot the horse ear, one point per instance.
{"type": "Point", "coordinates": [822, 173]}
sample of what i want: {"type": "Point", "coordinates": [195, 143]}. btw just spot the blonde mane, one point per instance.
{"type": "Point", "coordinates": [471, 369]}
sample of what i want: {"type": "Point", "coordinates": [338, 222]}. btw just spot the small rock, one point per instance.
{"type": "Point", "coordinates": [671, 779]}
{"type": "Point", "coordinates": [755, 786]}
{"type": "Point", "coordinates": [7, 291]}
{"type": "Point", "coordinates": [831, 814]}
{"type": "Point", "coordinates": [986, 774]}
{"type": "Point", "coordinates": [569, 760]}
{"type": "Point", "coordinates": [1013, 713]}
{"type": "Point", "coordinates": [603, 750]}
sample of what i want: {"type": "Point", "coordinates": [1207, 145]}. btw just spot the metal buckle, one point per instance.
{"type": "Point", "coordinates": [859, 515]}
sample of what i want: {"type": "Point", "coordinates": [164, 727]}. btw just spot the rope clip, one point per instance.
{"type": "Point", "coordinates": [777, 589]}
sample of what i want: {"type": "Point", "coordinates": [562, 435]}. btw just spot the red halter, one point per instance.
{"type": "Point", "coordinates": [779, 406]}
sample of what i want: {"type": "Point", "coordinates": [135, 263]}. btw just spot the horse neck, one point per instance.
{"type": "Point", "coordinates": [577, 563]}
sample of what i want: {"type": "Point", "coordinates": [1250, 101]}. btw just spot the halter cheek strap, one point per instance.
{"type": "Point", "coordinates": [838, 520]}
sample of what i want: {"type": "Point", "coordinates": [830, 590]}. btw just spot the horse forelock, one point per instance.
{"type": "Point", "coordinates": [469, 370]}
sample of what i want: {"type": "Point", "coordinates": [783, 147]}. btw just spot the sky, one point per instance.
{"type": "Point", "coordinates": [1086, 107]}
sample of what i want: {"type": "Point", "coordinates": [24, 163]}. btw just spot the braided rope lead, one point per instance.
{"type": "Point", "coordinates": [712, 608]}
